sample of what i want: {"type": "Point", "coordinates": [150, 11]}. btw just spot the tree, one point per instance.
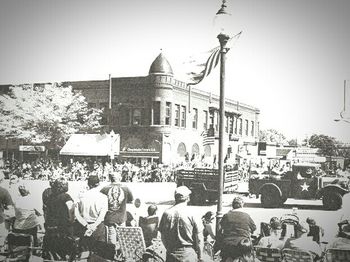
{"type": "Point", "coordinates": [293, 142]}
{"type": "Point", "coordinates": [325, 143]}
{"type": "Point", "coordinates": [272, 136]}
{"type": "Point", "coordinates": [46, 114]}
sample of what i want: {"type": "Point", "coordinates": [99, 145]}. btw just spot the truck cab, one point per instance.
{"type": "Point", "coordinates": [305, 181]}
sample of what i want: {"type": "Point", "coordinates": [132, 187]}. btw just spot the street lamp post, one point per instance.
{"type": "Point", "coordinates": [223, 39]}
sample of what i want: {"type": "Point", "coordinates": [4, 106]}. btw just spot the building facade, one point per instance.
{"type": "Point", "coordinates": [160, 120]}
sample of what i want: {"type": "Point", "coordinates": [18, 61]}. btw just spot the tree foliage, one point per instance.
{"type": "Point", "coordinates": [272, 136]}
{"type": "Point", "coordinates": [326, 144]}
{"type": "Point", "coordinates": [46, 114]}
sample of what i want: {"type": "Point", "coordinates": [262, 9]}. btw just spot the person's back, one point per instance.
{"type": "Point", "coordinates": [303, 242]}
{"type": "Point", "coordinates": [149, 225]}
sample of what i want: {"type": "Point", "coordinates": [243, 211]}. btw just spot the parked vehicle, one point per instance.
{"type": "Point", "coordinates": [305, 181]}
{"type": "Point", "coordinates": [204, 183]}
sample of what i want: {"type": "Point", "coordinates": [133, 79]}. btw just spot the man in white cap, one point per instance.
{"type": "Point", "coordinates": [180, 231]}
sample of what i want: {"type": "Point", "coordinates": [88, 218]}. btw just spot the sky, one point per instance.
{"type": "Point", "coordinates": [290, 61]}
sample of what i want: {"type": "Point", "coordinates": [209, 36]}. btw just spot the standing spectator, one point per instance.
{"type": "Point", "coordinates": [6, 209]}
{"type": "Point", "coordinates": [90, 212]}
{"type": "Point", "coordinates": [26, 220]}
{"type": "Point", "coordinates": [118, 196]}
{"type": "Point", "coordinates": [315, 231]}
{"type": "Point", "coordinates": [58, 222]}
{"type": "Point", "coordinates": [234, 226]}
{"type": "Point", "coordinates": [181, 234]}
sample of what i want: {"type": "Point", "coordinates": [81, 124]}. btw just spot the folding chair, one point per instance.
{"type": "Point", "coordinates": [19, 246]}
{"type": "Point", "coordinates": [338, 255]}
{"type": "Point", "coordinates": [265, 254]}
{"type": "Point", "coordinates": [293, 255]}
{"type": "Point", "coordinates": [132, 243]}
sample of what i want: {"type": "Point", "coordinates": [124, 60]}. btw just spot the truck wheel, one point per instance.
{"type": "Point", "coordinates": [332, 201]}
{"type": "Point", "coordinates": [270, 197]}
{"type": "Point", "coordinates": [198, 197]}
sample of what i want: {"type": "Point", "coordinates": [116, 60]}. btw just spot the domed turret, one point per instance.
{"type": "Point", "coordinates": [161, 66]}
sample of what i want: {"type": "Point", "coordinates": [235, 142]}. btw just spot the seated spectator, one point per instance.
{"type": "Point", "coordinates": [274, 239]}
{"type": "Point", "coordinates": [208, 225]}
{"type": "Point", "coordinates": [315, 231]}
{"type": "Point", "coordinates": [304, 242]}
{"type": "Point", "coordinates": [149, 225]}
{"type": "Point", "coordinates": [26, 216]}
{"type": "Point", "coordinates": [246, 250]}
{"type": "Point", "coordinates": [342, 241]}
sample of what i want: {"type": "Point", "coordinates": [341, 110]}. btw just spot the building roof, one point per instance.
{"type": "Point", "coordinates": [161, 66]}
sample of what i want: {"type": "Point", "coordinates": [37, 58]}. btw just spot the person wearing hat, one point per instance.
{"type": "Point", "coordinates": [274, 239]}
{"type": "Point", "coordinates": [234, 226]}
{"type": "Point", "coordinates": [181, 233]}
{"type": "Point", "coordinates": [304, 242]}
{"type": "Point", "coordinates": [342, 241]}
{"type": "Point", "coordinates": [90, 212]}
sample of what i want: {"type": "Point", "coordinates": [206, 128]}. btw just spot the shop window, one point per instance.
{"type": "Point", "coordinates": [177, 115]}
{"type": "Point", "coordinates": [195, 118]}
{"type": "Point", "coordinates": [205, 120]}
{"type": "Point", "coordinates": [167, 113]}
{"type": "Point", "coordinates": [136, 117]}
{"type": "Point", "coordinates": [156, 112]}
{"type": "Point", "coordinates": [183, 116]}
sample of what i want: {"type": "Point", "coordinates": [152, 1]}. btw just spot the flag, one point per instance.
{"type": "Point", "coordinates": [207, 139]}
{"type": "Point", "coordinates": [201, 65]}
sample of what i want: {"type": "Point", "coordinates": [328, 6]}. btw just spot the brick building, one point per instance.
{"type": "Point", "coordinates": [159, 121]}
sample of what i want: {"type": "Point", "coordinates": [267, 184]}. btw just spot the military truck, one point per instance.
{"type": "Point", "coordinates": [305, 181]}
{"type": "Point", "coordinates": [204, 183]}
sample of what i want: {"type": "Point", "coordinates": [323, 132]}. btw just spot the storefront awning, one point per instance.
{"type": "Point", "coordinates": [92, 145]}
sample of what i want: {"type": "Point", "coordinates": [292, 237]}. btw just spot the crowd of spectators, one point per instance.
{"type": "Point", "coordinates": [45, 169]}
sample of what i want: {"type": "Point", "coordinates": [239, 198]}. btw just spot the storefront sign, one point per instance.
{"type": "Point", "coordinates": [137, 150]}
{"type": "Point", "coordinates": [32, 148]}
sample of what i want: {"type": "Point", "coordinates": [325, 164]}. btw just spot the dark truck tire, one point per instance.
{"type": "Point", "coordinates": [198, 197]}
{"type": "Point", "coordinates": [332, 200]}
{"type": "Point", "coordinates": [271, 196]}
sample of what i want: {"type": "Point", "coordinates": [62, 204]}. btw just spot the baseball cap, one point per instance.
{"type": "Point", "coordinates": [182, 191]}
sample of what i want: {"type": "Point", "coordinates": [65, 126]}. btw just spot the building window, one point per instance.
{"type": "Point", "coordinates": [195, 118]}
{"type": "Point", "coordinates": [167, 113]}
{"type": "Point", "coordinates": [216, 116]}
{"type": "Point", "coordinates": [226, 123]}
{"type": "Point", "coordinates": [240, 126]}
{"type": "Point", "coordinates": [231, 125]}
{"type": "Point", "coordinates": [211, 122]}
{"type": "Point", "coordinates": [252, 130]}
{"type": "Point", "coordinates": [156, 112]}
{"type": "Point", "coordinates": [246, 127]}
{"type": "Point", "coordinates": [236, 125]}
{"type": "Point", "coordinates": [183, 116]}
{"type": "Point", "coordinates": [205, 122]}
{"type": "Point", "coordinates": [125, 116]}
{"type": "Point", "coordinates": [136, 117]}
{"type": "Point", "coordinates": [177, 115]}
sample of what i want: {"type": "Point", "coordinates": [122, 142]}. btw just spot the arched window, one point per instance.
{"type": "Point", "coordinates": [195, 149]}
{"type": "Point", "coordinates": [181, 150]}
{"type": "Point", "coordinates": [207, 150]}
